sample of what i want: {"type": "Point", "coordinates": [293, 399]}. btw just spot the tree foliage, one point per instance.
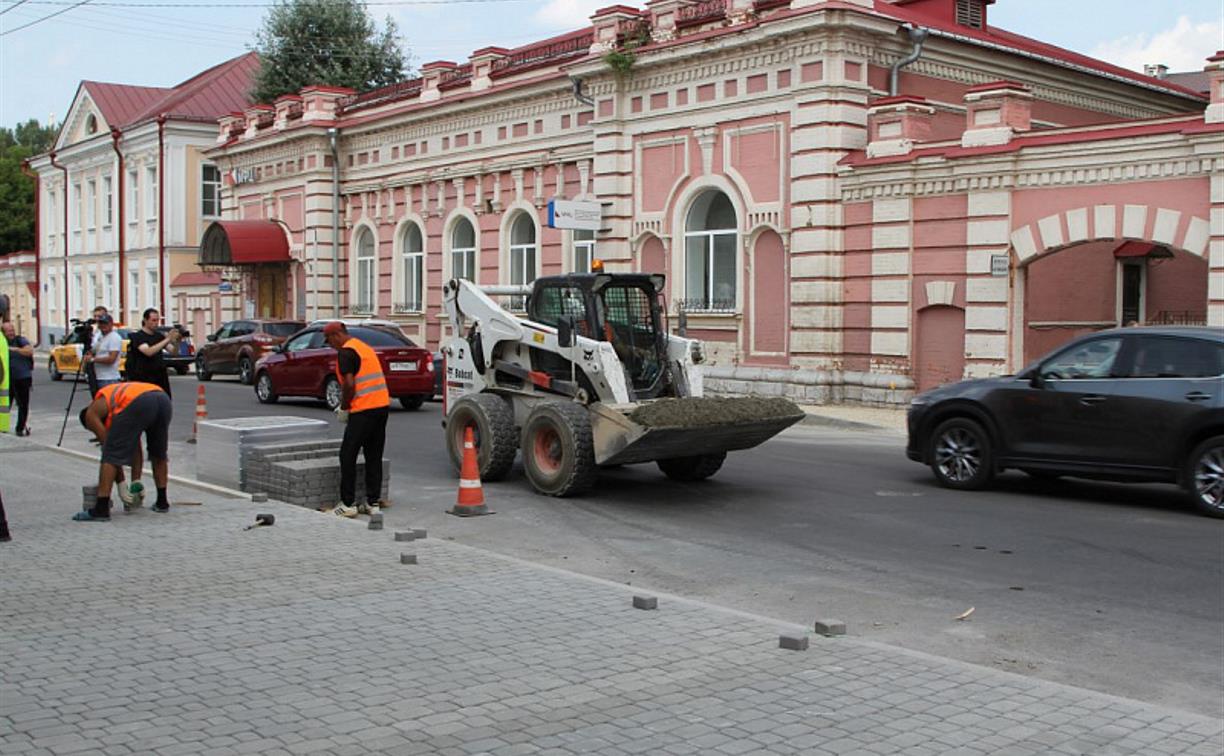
{"type": "Point", "coordinates": [330, 42]}
{"type": "Point", "coordinates": [17, 189]}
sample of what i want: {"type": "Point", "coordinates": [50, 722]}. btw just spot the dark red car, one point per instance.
{"type": "Point", "coordinates": [306, 366]}
{"type": "Point", "coordinates": [237, 346]}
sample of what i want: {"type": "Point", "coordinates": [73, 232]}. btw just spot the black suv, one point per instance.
{"type": "Point", "coordinates": [1130, 404]}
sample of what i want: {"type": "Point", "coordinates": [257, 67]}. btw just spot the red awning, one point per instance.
{"type": "Point", "coordinates": [244, 243]}
{"type": "Point", "coordinates": [1134, 249]}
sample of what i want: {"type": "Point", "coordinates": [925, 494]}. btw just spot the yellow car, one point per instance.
{"type": "Point", "coordinates": [66, 355]}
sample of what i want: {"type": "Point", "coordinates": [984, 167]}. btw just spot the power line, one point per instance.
{"type": "Point", "coordinates": [44, 18]}
{"type": "Point", "coordinates": [211, 5]}
{"type": "Point", "coordinates": [14, 5]}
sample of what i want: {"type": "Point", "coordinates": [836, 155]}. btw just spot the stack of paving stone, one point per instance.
{"type": "Point", "coordinates": [305, 473]}
{"type": "Point", "coordinates": [223, 447]}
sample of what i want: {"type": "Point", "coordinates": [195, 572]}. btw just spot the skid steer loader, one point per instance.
{"type": "Point", "coordinates": [590, 378]}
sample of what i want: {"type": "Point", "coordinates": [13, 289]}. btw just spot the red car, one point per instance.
{"type": "Point", "coordinates": [306, 366]}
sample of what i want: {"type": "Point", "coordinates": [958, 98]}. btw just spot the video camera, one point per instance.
{"type": "Point", "coordinates": [84, 331]}
{"type": "Point", "coordinates": [182, 329]}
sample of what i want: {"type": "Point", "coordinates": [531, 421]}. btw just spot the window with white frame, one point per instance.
{"type": "Point", "coordinates": [52, 218]}
{"type": "Point", "coordinates": [108, 292]}
{"type": "Point", "coordinates": [76, 207]}
{"type": "Point", "coordinates": [463, 250]}
{"type": "Point", "coordinates": [522, 255]}
{"type": "Point", "coordinates": [78, 288]}
{"type": "Point", "coordinates": [151, 279]}
{"type": "Point", "coordinates": [584, 250]}
{"type": "Point", "coordinates": [133, 196]}
{"type": "Point", "coordinates": [150, 185]}
{"type": "Point", "coordinates": [52, 295]}
{"type": "Point", "coordinates": [93, 295]}
{"type": "Point", "coordinates": [365, 272]}
{"type": "Point", "coordinates": [412, 271]}
{"type": "Point", "coordinates": [133, 291]}
{"type": "Point", "coordinates": [91, 204]}
{"type": "Point", "coordinates": [210, 191]}
{"type": "Point", "coordinates": [710, 242]}
{"type": "Point", "coordinates": [108, 201]}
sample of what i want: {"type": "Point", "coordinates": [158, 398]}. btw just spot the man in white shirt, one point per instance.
{"type": "Point", "coordinates": [107, 349]}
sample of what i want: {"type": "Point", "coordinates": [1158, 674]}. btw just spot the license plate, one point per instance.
{"type": "Point", "coordinates": [403, 366]}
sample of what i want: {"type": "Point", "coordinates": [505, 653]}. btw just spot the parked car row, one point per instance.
{"type": "Point", "coordinates": [66, 356]}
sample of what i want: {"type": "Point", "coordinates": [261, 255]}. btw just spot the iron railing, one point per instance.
{"type": "Point", "coordinates": [703, 305]}
{"type": "Point", "coordinates": [1179, 317]}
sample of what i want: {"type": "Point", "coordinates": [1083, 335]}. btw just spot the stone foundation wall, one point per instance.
{"type": "Point", "coordinates": [811, 386]}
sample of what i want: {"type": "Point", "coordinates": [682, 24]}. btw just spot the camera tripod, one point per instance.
{"type": "Point", "coordinates": [76, 378]}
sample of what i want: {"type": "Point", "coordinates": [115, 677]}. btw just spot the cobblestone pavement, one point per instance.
{"type": "Point", "coordinates": [183, 633]}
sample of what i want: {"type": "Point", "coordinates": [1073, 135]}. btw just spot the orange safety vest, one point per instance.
{"type": "Point", "coordinates": [370, 387]}
{"type": "Point", "coordinates": [119, 395]}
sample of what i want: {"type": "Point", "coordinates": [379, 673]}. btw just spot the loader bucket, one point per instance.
{"type": "Point", "coordinates": [628, 434]}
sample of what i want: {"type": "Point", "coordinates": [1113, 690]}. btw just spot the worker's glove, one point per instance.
{"type": "Point", "coordinates": [342, 415]}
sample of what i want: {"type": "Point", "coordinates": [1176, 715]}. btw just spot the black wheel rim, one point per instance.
{"type": "Point", "coordinates": [263, 388]}
{"type": "Point", "coordinates": [958, 455]}
{"type": "Point", "coordinates": [1209, 478]}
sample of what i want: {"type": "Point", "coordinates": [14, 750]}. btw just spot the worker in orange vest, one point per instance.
{"type": "Point", "coordinates": [364, 406]}
{"type": "Point", "coordinates": [117, 416]}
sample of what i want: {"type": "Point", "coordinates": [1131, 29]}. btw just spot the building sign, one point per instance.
{"type": "Point", "coordinates": [242, 176]}
{"type": "Point", "coordinates": [225, 287]}
{"type": "Point", "coordinates": [999, 265]}
{"type": "Point", "coordinates": [575, 215]}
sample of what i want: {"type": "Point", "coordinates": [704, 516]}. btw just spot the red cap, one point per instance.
{"type": "Point", "coordinates": [334, 326]}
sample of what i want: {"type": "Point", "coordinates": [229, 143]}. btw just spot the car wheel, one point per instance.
{"type": "Point", "coordinates": [245, 370]}
{"type": "Point", "coordinates": [961, 455]}
{"type": "Point", "coordinates": [331, 393]}
{"type": "Point", "coordinates": [263, 389]}
{"type": "Point", "coordinates": [493, 433]}
{"type": "Point", "coordinates": [558, 452]}
{"type": "Point", "coordinates": [1205, 477]}
{"type": "Point", "coordinates": [56, 375]}
{"type": "Point", "coordinates": [202, 373]}
{"type": "Point", "coordinates": [412, 402]}
{"type": "Point", "coordinates": [180, 369]}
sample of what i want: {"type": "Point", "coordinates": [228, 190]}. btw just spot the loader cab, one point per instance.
{"type": "Point", "coordinates": [624, 309]}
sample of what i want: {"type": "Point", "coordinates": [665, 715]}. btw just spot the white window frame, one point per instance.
{"type": "Point", "coordinates": [108, 292]}
{"type": "Point", "coordinates": [76, 209]}
{"type": "Point", "coordinates": [365, 271]}
{"type": "Point", "coordinates": [91, 300]}
{"type": "Point", "coordinates": [412, 271]}
{"type": "Point", "coordinates": [521, 254]}
{"type": "Point", "coordinates": [52, 297]}
{"type": "Point", "coordinates": [91, 204]}
{"type": "Point", "coordinates": [150, 209]}
{"type": "Point", "coordinates": [108, 199]}
{"type": "Point", "coordinates": [133, 197]}
{"type": "Point", "coordinates": [151, 285]}
{"type": "Point", "coordinates": [707, 295]}
{"type": "Point", "coordinates": [78, 285]}
{"type": "Point", "coordinates": [134, 289]}
{"type": "Point", "coordinates": [466, 254]}
{"type": "Point", "coordinates": [204, 184]}
{"type": "Point", "coordinates": [582, 246]}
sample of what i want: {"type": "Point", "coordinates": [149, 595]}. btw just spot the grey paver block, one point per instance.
{"type": "Point", "coordinates": [830, 627]}
{"type": "Point", "coordinates": [792, 642]}
{"type": "Point", "coordinates": [645, 602]}
{"type": "Point", "coordinates": [408, 558]}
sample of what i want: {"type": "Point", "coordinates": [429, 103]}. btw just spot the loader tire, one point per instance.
{"type": "Point", "coordinates": [691, 469]}
{"type": "Point", "coordinates": [496, 439]}
{"type": "Point", "coordinates": [558, 455]}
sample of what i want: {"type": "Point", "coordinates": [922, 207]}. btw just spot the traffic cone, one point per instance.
{"type": "Point", "coordinates": [471, 496]}
{"type": "Point", "coordinates": [201, 413]}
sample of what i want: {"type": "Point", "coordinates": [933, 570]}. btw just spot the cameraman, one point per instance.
{"type": "Point", "coordinates": [94, 337]}
{"type": "Point", "coordinates": [107, 348]}
{"type": "Point", "coordinates": [145, 349]}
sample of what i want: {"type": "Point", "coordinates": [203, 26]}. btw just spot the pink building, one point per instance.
{"type": "Point", "coordinates": [851, 198]}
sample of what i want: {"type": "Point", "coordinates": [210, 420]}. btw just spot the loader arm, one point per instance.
{"type": "Point", "coordinates": [465, 302]}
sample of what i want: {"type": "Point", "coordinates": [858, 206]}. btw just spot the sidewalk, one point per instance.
{"type": "Point", "coordinates": [182, 633]}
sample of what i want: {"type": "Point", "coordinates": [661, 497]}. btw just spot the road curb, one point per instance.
{"type": "Point", "coordinates": [180, 480]}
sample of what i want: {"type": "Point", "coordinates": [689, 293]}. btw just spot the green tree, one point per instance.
{"type": "Point", "coordinates": [330, 42]}
{"type": "Point", "coordinates": [16, 188]}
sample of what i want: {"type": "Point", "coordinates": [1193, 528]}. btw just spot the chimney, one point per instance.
{"type": "Point", "coordinates": [996, 111]}
{"type": "Point", "coordinates": [431, 77]}
{"type": "Point", "coordinates": [1155, 70]}
{"type": "Point", "coordinates": [894, 124]}
{"type": "Point", "coordinates": [1215, 73]}
{"type": "Point", "coordinates": [319, 103]}
{"type": "Point", "coordinates": [483, 61]}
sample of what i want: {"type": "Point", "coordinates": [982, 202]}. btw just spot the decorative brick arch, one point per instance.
{"type": "Point", "coordinates": [1099, 222]}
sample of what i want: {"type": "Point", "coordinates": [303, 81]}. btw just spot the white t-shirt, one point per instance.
{"type": "Point", "coordinates": [104, 344]}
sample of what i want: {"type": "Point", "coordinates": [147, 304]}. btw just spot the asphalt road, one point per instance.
{"type": "Point", "coordinates": [1111, 587]}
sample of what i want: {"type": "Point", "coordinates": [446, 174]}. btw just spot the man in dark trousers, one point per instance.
{"type": "Point", "coordinates": [364, 405]}
{"type": "Point", "coordinates": [117, 416]}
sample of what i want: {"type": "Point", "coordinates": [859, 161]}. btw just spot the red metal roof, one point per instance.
{"type": "Point", "coordinates": [204, 97]}
{"type": "Point", "coordinates": [244, 243]}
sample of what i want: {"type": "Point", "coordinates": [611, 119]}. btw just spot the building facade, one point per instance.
{"type": "Point", "coordinates": [125, 195]}
{"type": "Point", "coordinates": [19, 288]}
{"type": "Point", "coordinates": [851, 199]}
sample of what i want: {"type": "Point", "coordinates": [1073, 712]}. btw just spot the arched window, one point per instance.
{"type": "Point", "coordinates": [522, 254]}
{"type": "Point", "coordinates": [710, 242]}
{"type": "Point", "coordinates": [365, 272]}
{"type": "Point", "coordinates": [412, 272]}
{"type": "Point", "coordinates": [463, 250]}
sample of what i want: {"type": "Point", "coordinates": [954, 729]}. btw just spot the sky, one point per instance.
{"type": "Point", "coordinates": [163, 42]}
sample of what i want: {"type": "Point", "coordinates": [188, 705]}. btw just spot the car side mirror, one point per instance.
{"type": "Point", "coordinates": [565, 332]}
{"type": "Point", "coordinates": [1034, 378]}
{"type": "Point", "coordinates": [212, 337]}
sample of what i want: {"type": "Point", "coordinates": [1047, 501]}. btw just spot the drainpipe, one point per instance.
{"type": "Point", "coordinates": [121, 221]}
{"type": "Point", "coordinates": [161, 214]}
{"type": "Point", "coordinates": [64, 168]}
{"type": "Point", "coordinates": [333, 135]}
{"type": "Point", "coordinates": [917, 36]}
{"type": "Point", "coordinates": [25, 168]}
